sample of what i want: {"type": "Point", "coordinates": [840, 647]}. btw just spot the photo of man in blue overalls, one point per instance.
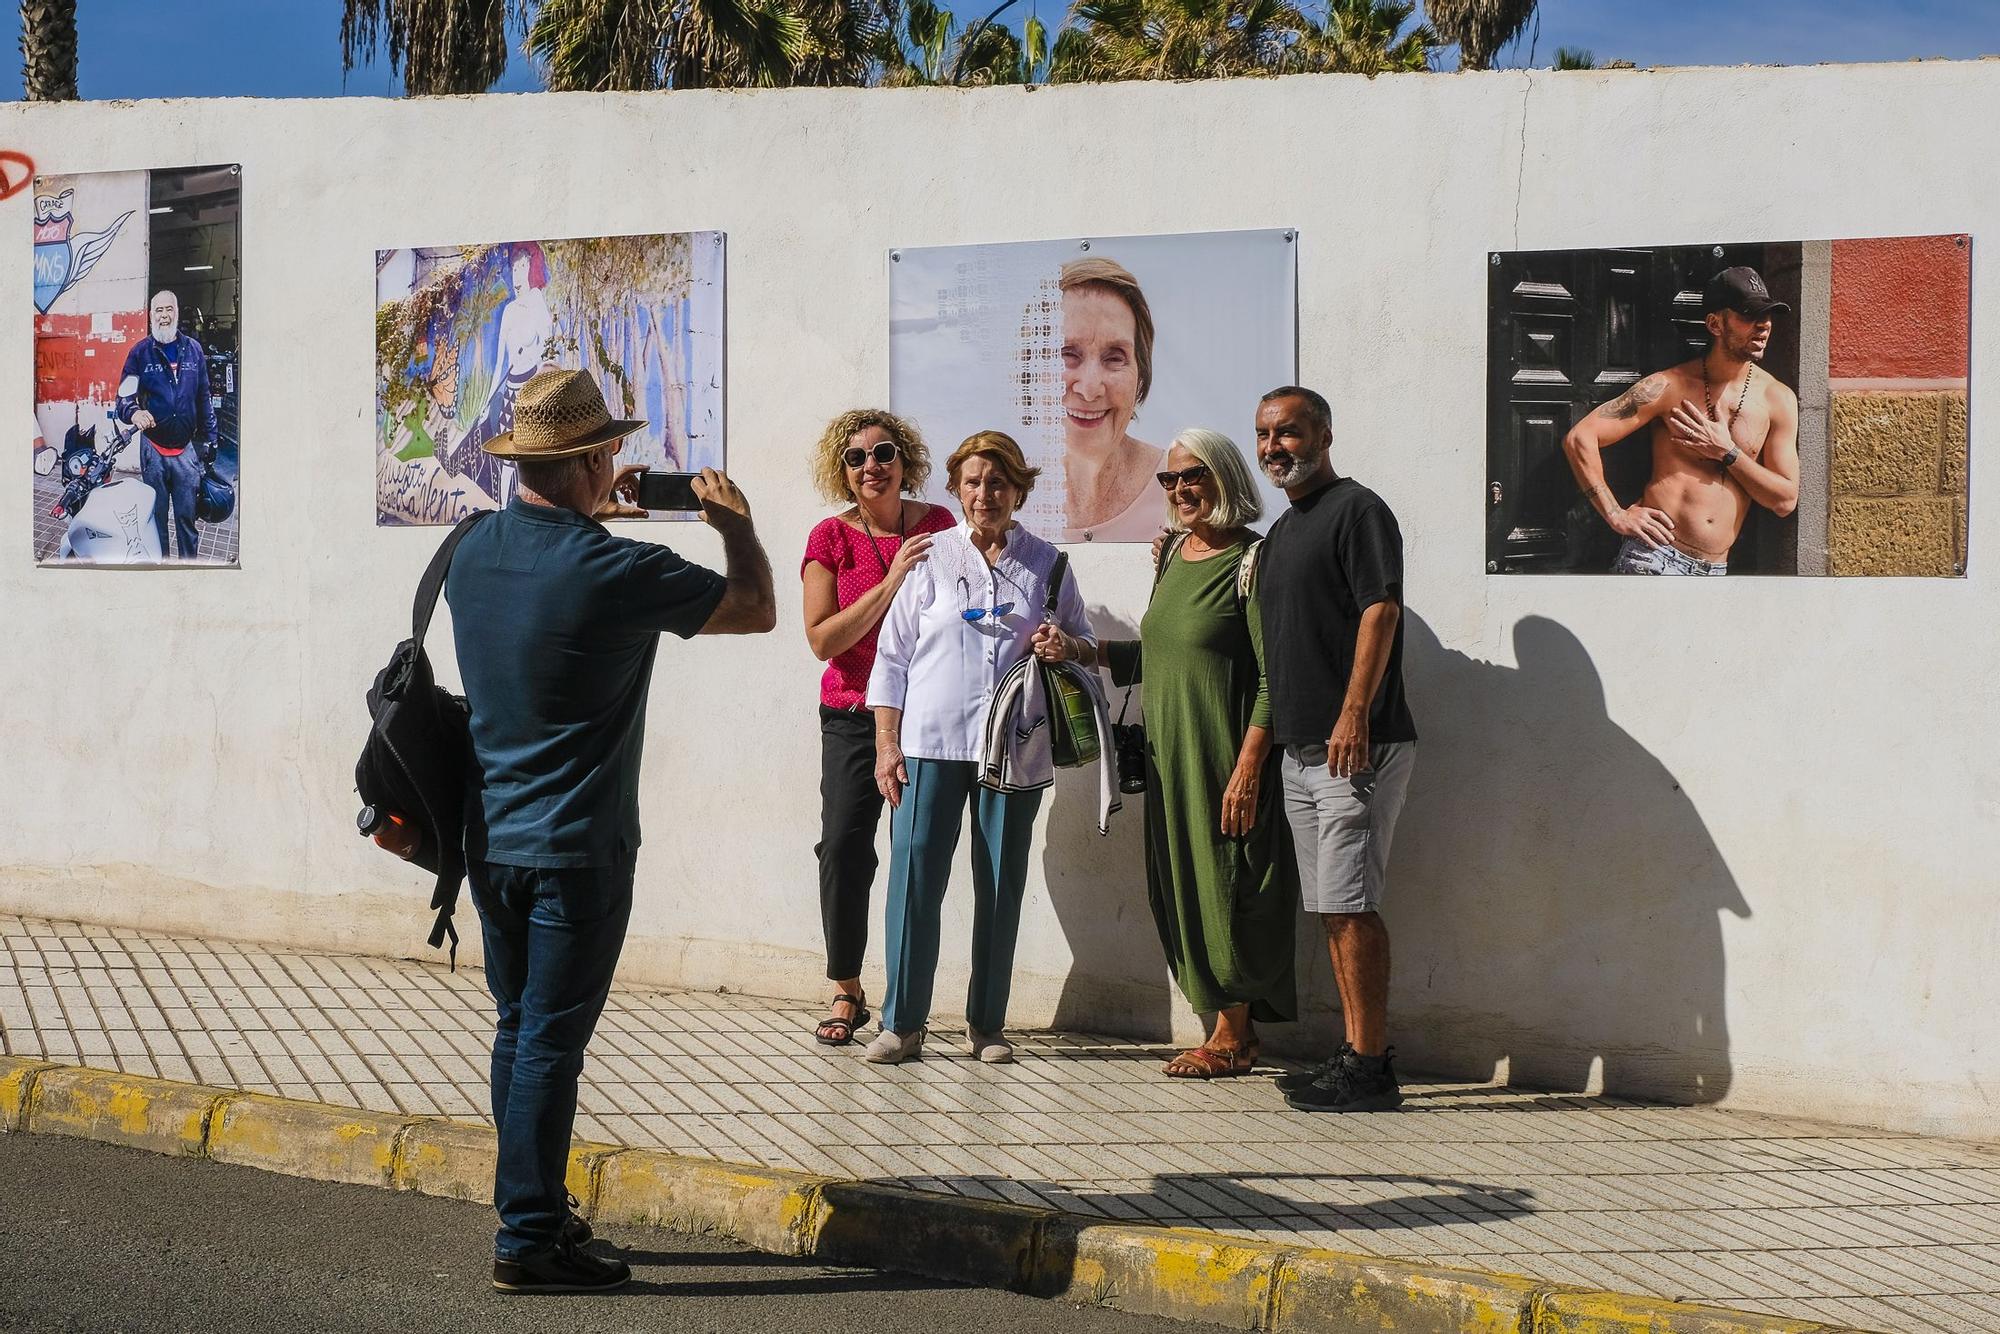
{"type": "Point", "coordinates": [163, 391]}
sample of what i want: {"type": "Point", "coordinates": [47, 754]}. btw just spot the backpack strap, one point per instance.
{"type": "Point", "coordinates": [1055, 585]}
{"type": "Point", "coordinates": [432, 583]}
{"type": "Point", "coordinates": [1246, 572]}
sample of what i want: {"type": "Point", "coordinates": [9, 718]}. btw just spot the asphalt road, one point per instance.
{"type": "Point", "coordinates": [99, 1238]}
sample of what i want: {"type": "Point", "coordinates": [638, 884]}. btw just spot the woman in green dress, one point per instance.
{"type": "Point", "coordinates": [1219, 868]}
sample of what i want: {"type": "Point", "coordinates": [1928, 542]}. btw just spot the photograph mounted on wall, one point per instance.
{"type": "Point", "coordinates": [137, 298]}
{"type": "Point", "coordinates": [460, 329]}
{"type": "Point", "coordinates": [1093, 354]}
{"type": "Point", "coordinates": [1791, 407]}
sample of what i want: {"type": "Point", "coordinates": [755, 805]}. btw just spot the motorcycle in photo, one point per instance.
{"type": "Point", "coordinates": [110, 519]}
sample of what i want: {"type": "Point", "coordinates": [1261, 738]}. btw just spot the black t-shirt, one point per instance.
{"type": "Point", "coordinates": [1330, 557]}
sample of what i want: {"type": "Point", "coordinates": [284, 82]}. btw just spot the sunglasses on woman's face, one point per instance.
{"type": "Point", "coordinates": [1185, 477]}
{"type": "Point", "coordinates": [859, 456]}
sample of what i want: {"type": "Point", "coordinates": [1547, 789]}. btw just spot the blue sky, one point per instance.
{"type": "Point", "coordinates": [273, 48]}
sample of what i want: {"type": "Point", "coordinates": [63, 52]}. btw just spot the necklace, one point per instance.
{"type": "Point", "coordinates": [902, 530]}
{"type": "Point", "coordinates": [1708, 394]}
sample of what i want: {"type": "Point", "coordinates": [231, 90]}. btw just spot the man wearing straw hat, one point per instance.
{"type": "Point", "coordinates": [557, 623]}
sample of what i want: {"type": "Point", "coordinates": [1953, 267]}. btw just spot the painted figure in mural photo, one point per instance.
{"type": "Point", "coordinates": [163, 391]}
{"type": "Point", "coordinates": [557, 652]}
{"type": "Point", "coordinates": [526, 327]}
{"type": "Point", "coordinates": [1330, 591]}
{"type": "Point", "coordinates": [875, 464]}
{"type": "Point", "coordinates": [1219, 871]}
{"type": "Point", "coordinates": [1107, 356]}
{"type": "Point", "coordinates": [1724, 436]}
{"type": "Point", "coordinates": [962, 621]}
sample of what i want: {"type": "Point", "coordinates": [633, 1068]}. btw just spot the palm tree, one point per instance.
{"type": "Point", "coordinates": [48, 50]}
{"type": "Point", "coordinates": [437, 46]}
{"type": "Point", "coordinates": [1479, 27]}
{"type": "Point", "coordinates": [645, 44]}
{"type": "Point", "coordinates": [1175, 39]}
{"type": "Point", "coordinates": [1364, 37]}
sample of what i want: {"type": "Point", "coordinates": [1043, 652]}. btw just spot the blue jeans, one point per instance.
{"type": "Point", "coordinates": [552, 942]}
{"type": "Point", "coordinates": [922, 837]}
{"type": "Point", "coordinates": [174, 479]}
{"type": "Point", "coordinates": [1635, 557]}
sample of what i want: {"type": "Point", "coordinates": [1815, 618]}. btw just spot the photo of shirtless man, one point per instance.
{"type": "Point", "coordinates": [1724, 436]}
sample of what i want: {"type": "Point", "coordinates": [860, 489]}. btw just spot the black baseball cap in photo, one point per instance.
{"type": "Point", "coordinates": [1740, 289]}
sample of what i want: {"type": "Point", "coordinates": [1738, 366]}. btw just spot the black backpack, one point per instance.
{"type": "Point", "coordinates": [418, 758]}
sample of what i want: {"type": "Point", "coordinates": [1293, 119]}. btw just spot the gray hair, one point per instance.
{"type": "Point", "coordinates": [554, 477]}
{"type": "Point", "coordinates": [1237, 504]}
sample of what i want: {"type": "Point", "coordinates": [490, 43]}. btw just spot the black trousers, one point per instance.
{"type": "Point", "coordinates": [850, 808]}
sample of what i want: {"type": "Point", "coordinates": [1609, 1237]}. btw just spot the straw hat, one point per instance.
{"type": "Point", "coordinates": [558, 414]}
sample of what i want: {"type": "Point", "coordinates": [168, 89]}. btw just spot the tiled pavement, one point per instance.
{"type": "Point", "coordinates": [1847, 1225]}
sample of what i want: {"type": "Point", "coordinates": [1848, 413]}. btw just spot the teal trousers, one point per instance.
{"type": "Point", "coordinates": [923, 836]}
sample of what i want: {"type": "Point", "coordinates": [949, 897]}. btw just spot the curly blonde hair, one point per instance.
{"type": "Point", "coordinates": [830, 474]}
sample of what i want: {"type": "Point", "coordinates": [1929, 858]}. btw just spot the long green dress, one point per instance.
{"type": "Point", "coordinates": [1225, 906]}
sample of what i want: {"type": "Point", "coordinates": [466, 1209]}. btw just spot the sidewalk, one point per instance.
{"type": "Point", "coordinates": [1844, 1225]}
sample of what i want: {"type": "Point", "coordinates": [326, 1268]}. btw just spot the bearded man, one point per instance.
{"type": "Point", "coordinates": [163, 391]}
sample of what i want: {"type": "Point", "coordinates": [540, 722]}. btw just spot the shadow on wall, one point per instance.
{"type": "Point", "coordinates": [1118, 980]}
{"type": "Point", "coordinates": [1555, 898]}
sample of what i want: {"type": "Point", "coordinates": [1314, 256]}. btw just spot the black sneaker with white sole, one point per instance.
{"type": "Point", "coordinates": [562, 1268]}
{"type": "Point", "coordinates": [1358, 1084]}
{"type": "Point", "coordinates": [1298, 1079]}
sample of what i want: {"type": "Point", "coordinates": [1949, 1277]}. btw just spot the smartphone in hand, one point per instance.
{"type": "Point", "coordinates": [667, 491]}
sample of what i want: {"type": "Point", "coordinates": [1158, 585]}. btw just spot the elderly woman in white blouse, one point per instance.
{"type": "Point", "coordinates": [959, 623]}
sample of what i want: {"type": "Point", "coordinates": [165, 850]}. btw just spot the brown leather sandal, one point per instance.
{"type": "Point", "coordinates": [1211, 1063]}
{"type": "Point", "coordinates": [833, 1031]}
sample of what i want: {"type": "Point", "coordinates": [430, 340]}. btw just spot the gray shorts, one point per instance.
{"type": "Point", "coordinates": [1635, 557]}
{"type": "Point", "coordinates": [1341, 827]}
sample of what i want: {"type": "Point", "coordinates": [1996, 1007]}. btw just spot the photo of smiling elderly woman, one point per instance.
{"type": "Point", "coordinates": [1092, 353]}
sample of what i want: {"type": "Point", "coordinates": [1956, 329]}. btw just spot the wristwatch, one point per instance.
{"type": "Point", "coordinates": [1735, 453]}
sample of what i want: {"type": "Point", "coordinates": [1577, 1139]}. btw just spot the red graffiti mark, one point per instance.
{"type": "Point", "coordinates": [10, 184]}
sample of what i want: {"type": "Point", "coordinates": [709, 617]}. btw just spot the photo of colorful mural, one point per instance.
{"type": "Point", "coordinates": [1793, 407]}
{"type": "Point", "coordinates": [137, 295]}
{"type": "Point", "coordinates": [460, 329]}
{"type": "Point", "coordinates": [1093, 354]}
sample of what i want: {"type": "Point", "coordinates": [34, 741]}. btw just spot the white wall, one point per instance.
{"type": "Point", "coordinates": [1687, 839]}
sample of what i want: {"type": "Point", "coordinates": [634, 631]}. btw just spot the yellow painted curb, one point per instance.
{"type": "Point", "coordinates": [133, 1110]}
{"type": "Point", "coordinates": [1176, 1272]}
{"type": "Point", "coordinates": [17, 1079]}
{"type": "Point", "coordinates": [1573, 1312]}
{"type": "Point", "coordinates": [767, 1207]}
{"type": "Point", "coordinates": [1322, 1292]}
{"type": "Point", "coordinates": [450, 1159]}
{"type": "Point", "coordinates": [942, 1236]}
{"type": "Point", "coordinates": [307, 1139]}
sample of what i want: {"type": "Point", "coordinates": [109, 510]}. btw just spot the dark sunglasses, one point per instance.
{"type": "Point", "coordinates": [1186, 476]}
{"type": "Point", "coordinates": [859, 456]}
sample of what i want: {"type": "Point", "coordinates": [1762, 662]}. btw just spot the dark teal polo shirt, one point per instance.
{"type": "Point", "coordinates": [557, 623]}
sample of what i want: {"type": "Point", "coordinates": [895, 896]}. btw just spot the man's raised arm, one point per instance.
{"type": "Point", "coordinates": [1605, 425]}
{"type": "Point", "coordinates": [748, 606]}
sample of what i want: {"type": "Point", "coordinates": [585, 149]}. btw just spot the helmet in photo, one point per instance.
{"type": "Point", "coordinates": [215, 499]}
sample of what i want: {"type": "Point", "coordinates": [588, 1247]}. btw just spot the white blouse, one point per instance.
{"type": "Point", "coordinates": [940, 669]}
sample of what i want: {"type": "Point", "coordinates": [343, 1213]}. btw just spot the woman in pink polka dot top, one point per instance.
{"type": "Point", "coordinates": [875, 464]}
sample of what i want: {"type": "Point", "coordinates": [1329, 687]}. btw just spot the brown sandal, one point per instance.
{"type": "Point", "coordinates": [1211, 1063]}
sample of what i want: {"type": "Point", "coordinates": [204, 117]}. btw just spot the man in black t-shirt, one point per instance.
{"type": "Point", "coordinates": [1330, 588]}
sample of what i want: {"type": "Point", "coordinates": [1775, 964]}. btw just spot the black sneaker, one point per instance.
{"type": "Point", "coordinates": [1359, 1084]}
{"type": "Point", "coordinates": [575, 1230]}
{"type": "Point", "coordinates": [1298, 1079]}
{"type": "Point", "coordinates": [561, 1268]}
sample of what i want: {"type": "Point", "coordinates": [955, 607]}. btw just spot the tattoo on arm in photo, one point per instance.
{"type": "Point", "coordinates": [1627, 405]}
